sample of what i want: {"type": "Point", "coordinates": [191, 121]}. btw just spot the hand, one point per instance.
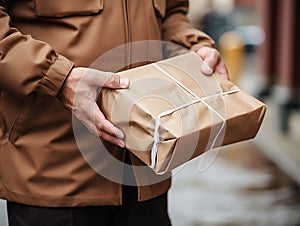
{"type": "Point", "coordinates": [79, 94]}
{"type": "Point", "coordinates": [212, 62]}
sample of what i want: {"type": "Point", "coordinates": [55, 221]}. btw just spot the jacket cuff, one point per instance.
{"type": "Point", "coordinates": [55, 76]}
{"type": "Point", "coordinates": [197, 46]}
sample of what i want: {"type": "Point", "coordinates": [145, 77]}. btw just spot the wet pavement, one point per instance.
{"type": "Point", "coordinates": [240, 188]}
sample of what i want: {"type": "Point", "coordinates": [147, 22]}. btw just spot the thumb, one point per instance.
{"type": "Point", "coordinates": [116, 81]}
{"type": "Point", "coordinates": [206, 69]}
{"type": "Point", "coordinates": [106, 79]}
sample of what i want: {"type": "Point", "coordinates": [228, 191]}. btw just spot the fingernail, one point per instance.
{"type": "Point", "coordinates": [121, 143]}
{"type": "Point", "coordinates": [206, 69]}
{"type": "Point", "coordinates": [124, 82]}
{"type": "Point", "coordinates": [118, 133]}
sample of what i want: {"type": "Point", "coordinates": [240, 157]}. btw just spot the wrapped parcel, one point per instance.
{"type": "Point", "coordinates": [173, 113]}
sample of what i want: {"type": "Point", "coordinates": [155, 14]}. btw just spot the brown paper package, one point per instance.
{"type": "Point", "coordinates": [173, 113]}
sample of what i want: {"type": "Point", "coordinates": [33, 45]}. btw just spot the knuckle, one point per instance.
{"type": "Point", "coordinates": [100, 133]}
{"type": "Point", "coordinates": [215, 54]}
{"type": "Point", "coordinates": [112, 80]}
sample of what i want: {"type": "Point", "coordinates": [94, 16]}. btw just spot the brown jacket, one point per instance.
{"type": "Point", "coordinates": [40, 42]}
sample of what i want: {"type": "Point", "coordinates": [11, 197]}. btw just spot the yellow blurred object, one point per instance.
{"type": "Point", "coordinates": [232, 49]}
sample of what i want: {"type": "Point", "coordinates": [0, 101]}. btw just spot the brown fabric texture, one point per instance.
{"type": "Point", "coordinates": [40, 42]}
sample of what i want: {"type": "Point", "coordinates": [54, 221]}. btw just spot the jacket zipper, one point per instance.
{"type": "Point", "coordinates": [128, 53]}
{"type": "Point", "coordinates": [127, 50]}
{"type": "Point", "coordinates": [128, 38]}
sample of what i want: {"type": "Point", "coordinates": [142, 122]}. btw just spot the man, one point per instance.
{"type": "Point", "coordinates": [45, 50]}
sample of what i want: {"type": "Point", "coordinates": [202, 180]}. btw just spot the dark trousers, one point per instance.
{"type": "Point", "coordinates": [131, 213]}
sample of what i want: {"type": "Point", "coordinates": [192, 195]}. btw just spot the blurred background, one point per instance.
{"type": "Point", "coordinates": [252, 183]}
{"type": "Point", "coordinates": [256, 182]}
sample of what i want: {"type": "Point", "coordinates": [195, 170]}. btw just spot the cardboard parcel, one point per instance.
{"type": "Point", "coordinates": [173, 113]}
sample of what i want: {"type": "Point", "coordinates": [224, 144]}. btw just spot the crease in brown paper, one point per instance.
{"type": "Point", "coordinates": [156, 136]}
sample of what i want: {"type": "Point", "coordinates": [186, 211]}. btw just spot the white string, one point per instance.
{"type": "Point", "coordinates": [156, 137]}
{"type": "Point", "coordinates": [174, 79]}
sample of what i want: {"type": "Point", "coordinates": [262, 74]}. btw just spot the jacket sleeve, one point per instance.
{"type": "Point", "coordinates": [178, 29]}
{"type": "Point", "coordinates": [28, 65]}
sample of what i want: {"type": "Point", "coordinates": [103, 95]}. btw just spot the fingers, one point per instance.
{"type": "Point", "coordinates": [105, 129]}
{"type": "Point", "coordinates": [212, 62]}
{"type": "Point", "coordinates": [79, 94]}
{"type": "Point", "coordinates": [105, 125]}
{"type": "Point", "coordinates": [96, 78]}
{"type": "Point", "coordinates": [91, 116]}
{"type": "Point", "coordinates": [210, 59]}
{"type": "Point", "coordinates": [116, 81]}
{"type": "Point", "coordinates": [206, 69]}
{"type": "Point", "coordinates": [104, 135]}
{"type": "Point", "coordinates": [222, 70]}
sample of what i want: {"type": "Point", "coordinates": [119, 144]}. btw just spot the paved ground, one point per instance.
{"type": "Point", "coordinates": [241, 188]}
{"type": "Point", "coordinates": [3, 220]}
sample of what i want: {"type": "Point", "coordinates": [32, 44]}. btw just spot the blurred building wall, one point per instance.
{"type": "Point", "coordinates": [281, 23]}
{"type": "Point", "coordinates": [275, 80]}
